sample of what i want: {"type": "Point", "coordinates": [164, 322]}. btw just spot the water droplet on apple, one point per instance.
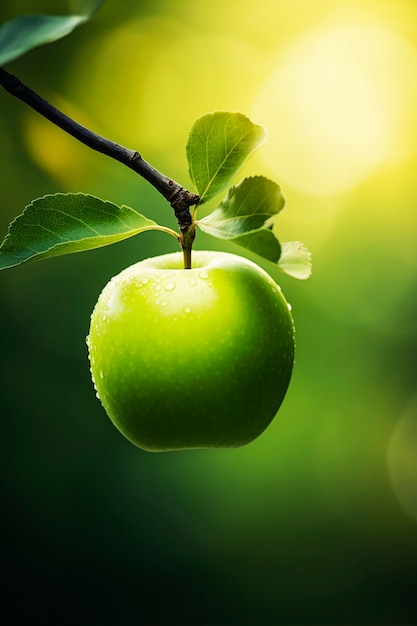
{"type": "Point", "coordinates": [144, 281]}
{"type": "Point", "coordinates": [164, 303]}
{"type": "Point", "coordinates": [170, 286]}
{"type": "Point", "coordinates": [289, 306]}
{"type": "Point", "coordinates": [158, 288]}
{"type": "Point", "coordinates": [101, 374]}
{"type": "Point", "coordinates": [87, 340]}
{"type": "Point", "coordinates": [187, 309]}
{"type": "Point", "coordinates": [204, 275]}
{"type": "Point", "coordinates": [193, 282]}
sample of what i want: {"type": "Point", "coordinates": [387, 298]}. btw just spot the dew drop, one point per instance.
{"type": "Point", "coordinates": [87, 340]}
{"type": "Point", "coordinates": [193, 282]}
{"type": "Point", "coordinates": [289, 306]}
{"type": "Point", "coordinates": [97, 395]}
{"type": "Point", "coordinates": [187, 309]}
{"type": "Point", "coordinates": [164, 303]}
{"type": "Point", "coordinates": [158, 288]}
{"type": "Point", "coordinates": [204, 275]}
{"type": "Point", "coordinates": [101, 374]}
{"type": "Point", "coordinates": [144, 281]}
{"type": "Point", "coordinates": [170, 286]}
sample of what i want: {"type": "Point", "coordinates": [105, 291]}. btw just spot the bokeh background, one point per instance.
{"type": "Point", "coordinates": [314, 522]}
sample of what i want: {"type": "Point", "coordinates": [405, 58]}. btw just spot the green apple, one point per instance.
{"type": "Point", "coordinates": [191, 358]}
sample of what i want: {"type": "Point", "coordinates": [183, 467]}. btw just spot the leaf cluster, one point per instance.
{"type": "Point", "coordinates": [217, 147]}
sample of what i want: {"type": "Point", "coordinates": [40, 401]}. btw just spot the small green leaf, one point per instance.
{"type": "Point", "coordinates": [218, 145]}
{"type": "Point", "coordinates": [295, 260]}
{"type": "Point", "coordinates": [21, 34]}
{"type": "Point", "coordinates": [246, 217]}
{"type": "Point", "coordinates": [248, 206]}
{"type": "Point", "coordinates": [66, 223]}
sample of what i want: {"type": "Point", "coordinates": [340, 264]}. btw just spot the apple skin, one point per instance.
{"type": "Point", "coordinates": [195, 358]}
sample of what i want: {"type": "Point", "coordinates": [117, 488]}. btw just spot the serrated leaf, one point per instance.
{"type": "Point", "coordinates": [66, 223]}
{"type": "Point", "coordinates": [248, 206]}
{"type": "Point", "coordinates": [246, 217]}
{"type": "Point", "coordinates": [217, 147]}
{"type": "Point", "coordinates": [295, 260]}
{"type": "Point", "coordinates": [24, 33]}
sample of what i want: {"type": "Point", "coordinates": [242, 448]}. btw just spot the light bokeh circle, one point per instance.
{"type": "Point", "coordinates": [402, 460]}
{"type": "Point", "coordinates": [340, 103]}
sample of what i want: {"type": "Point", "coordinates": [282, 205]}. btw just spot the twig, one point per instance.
{"type": "Point", "coordinates": [179, 198]}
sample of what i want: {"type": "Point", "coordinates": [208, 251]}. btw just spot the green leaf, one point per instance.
{"type": "Point", "coordinates": [66, 223]}
{"type": "Point", "coordinates": [295, 260]}
{"type": "Point", "coordinates": [246, 217]}
{"type": "Point", "coordinates": [218, 145]}
{"type": "Point", "coordinates": [21, 34]}
{"type": "Point", "coordinates": [248, 206]}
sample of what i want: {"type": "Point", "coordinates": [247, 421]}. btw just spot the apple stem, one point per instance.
{"type": "Point", "coordinates": [187, 258]}
{"type": "Point", "coordinates": [187, 239]}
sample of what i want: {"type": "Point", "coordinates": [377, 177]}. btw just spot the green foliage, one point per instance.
{"type": "Point", "coordinates": [218, 145]}
{"type": "Point", "coordinates": [248, 206]}
{"type": "Point", "coordinates": [246, 215]}
{"type": "Point", "coordinates": [65, 223]}
{"type": "Point", "coordinates": [24, 33]}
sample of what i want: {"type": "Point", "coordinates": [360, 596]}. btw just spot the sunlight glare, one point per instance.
{"type": "Point", "coordinates": [340, 103]}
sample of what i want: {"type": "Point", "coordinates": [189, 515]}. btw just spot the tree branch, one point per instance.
{"type": "Point", "coordinates": [179, 198]}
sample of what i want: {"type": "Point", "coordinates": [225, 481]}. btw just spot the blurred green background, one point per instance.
{"type": "Point", "coordinates": [314, 522]}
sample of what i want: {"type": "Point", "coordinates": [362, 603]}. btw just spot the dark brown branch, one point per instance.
{"type": "Point", "coordinates": [179, 198]}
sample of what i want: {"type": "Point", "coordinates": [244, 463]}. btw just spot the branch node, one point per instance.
{"type": "Point", "coordinates": [181, 202]}
{"type": "Point", "coordinates": [135, 156]}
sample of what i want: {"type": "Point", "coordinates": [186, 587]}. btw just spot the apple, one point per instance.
{"type": "Point", "coordinates": [191, 358]}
